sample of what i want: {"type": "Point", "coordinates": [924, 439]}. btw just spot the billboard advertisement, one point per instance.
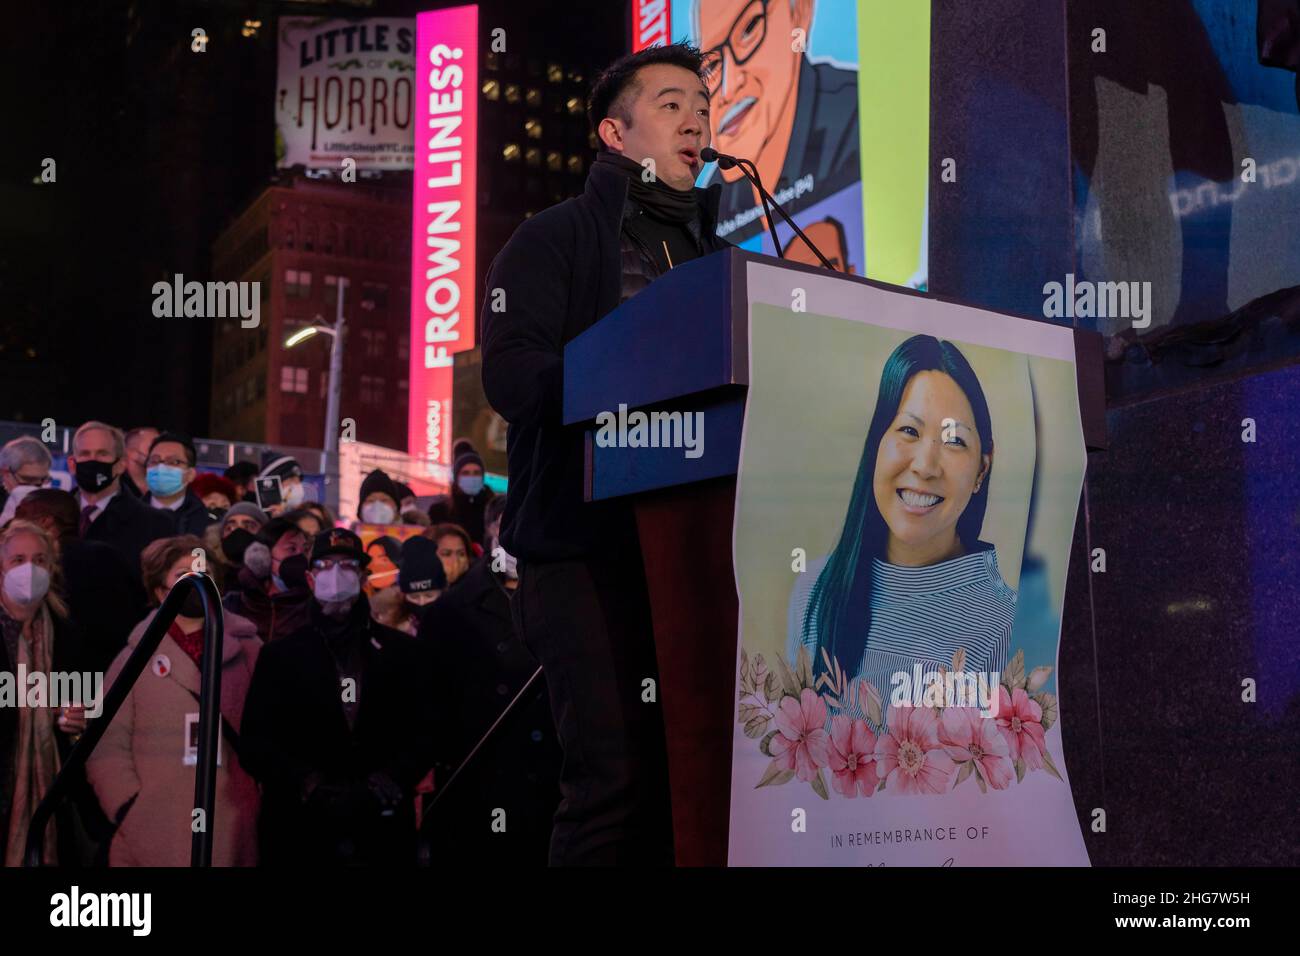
{"type": "Point", "coordinates": [803, 88]}
{"type": "Point", "coordinates": [345, 89]}
{"type": "Point", "coordinates": [443, 223]}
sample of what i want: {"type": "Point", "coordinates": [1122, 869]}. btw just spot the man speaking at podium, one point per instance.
{"type": "Point", "coordinates": [581, 606]}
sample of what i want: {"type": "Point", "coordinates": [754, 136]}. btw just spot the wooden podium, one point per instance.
{"type": "Point", "coordinates": [682, 345]}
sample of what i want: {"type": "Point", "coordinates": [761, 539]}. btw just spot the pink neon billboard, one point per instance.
{"type": "Point", "coordinates": [443, 221]}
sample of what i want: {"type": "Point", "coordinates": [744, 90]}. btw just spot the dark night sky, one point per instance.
{"type": "Point", "coordinates": [156, 149]}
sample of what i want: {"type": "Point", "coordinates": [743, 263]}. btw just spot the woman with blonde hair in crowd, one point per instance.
{"type": "Point", "coordinates": [143, 769]}
{"type": "Point", "coordinates": [36, 637]}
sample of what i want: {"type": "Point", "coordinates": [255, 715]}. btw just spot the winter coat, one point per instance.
{"type": "Point", "coordinates": [138, 769]}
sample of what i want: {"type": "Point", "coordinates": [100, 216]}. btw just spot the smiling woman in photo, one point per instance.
{"type": "Point", "coordinates": [909, 581]}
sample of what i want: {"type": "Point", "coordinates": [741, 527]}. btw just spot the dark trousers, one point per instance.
{"type": "Point", "coordinates": [588, 623]}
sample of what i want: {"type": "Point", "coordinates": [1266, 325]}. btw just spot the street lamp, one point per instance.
{"type": "Point", "coordinates": [338, 333]}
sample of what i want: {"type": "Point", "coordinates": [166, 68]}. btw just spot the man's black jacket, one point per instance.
{"type": "Point", "coordinates": [560, 273]}
{"type": "Point", "coordinates": [479, 666]}
{"type": "Point", "coordinates": [192, 517]}
{"type": "Point", "coordinates": [294, 728]}
{"type": "Point", "coordinates": [129, 525]}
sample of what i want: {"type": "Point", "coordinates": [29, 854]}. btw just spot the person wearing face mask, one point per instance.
{"type": "Point", "coordinates": [104, 595]}
{"type": "Point", "coordinates": [480, 664]}
{"type": "Point", "coordinates": [454, 548]}
{"type": "Point", "coordinates": [469, 496]}
{"type": "Point", "coordinates": [338, 725]}
{"type": "Point", "coordinates": [169, 473]}
{"type": "Point", "coordinates": [271, 588]}
{"type": "Point", "coordinates": [25, 465]}
{"type": "Point", "coordinates": [143, 769]}
{"type": "Point", "coordinates": [108, 514]}
{"type": "Point", "coordinates": [381, 588]}
{"type": "Point", "coordinates": [292, 490]}
{"type": "Point", "coordinates": [229, 539]}
{"type": "Point", "coordinates": [37, 635]}
{"type": "Point", "coordinates": [379, 497]}
{"type": "Point", "coordinates": [420, 578]}
{"type": "Point", "coordinates": [217, 494]}
{"type": "Point", "coordinates": [243, 475]}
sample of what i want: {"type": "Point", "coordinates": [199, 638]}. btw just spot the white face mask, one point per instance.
{"type": "Point", "coordinates": [293, 495]}
{"type": "Point", "coordinates": [334, 585]}
{"type": "Point", "coordinates": [27, 584]}
{"type": "Point", "coordinates": [378, 512]}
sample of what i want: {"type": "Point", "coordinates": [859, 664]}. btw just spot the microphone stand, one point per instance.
{"type": "Point", "coordinates": [764, 197]}
{"type": "Point", "coordinates": [768, 198]}
{"type": "Point", "coordinates": [440, 791]}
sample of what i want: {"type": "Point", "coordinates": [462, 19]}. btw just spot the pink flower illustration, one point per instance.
{"type": "Point", "coordinates": [909, 755]}
{"type": "Point", "coordinates": [801, 743]}
{"type": "Point", "coordinates": [1021, 721]}
{"type": "Point", "coordinates": [966, 736]}
{"type": "Point", "coordinates": [852, 757]}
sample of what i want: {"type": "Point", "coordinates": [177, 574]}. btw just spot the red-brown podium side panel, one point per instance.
{"type": "Point", "coordinates": [686, 543]}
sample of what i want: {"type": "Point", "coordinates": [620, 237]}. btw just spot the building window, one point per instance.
{"type": "Point", "coordinates": [554, 73]}
{"type": "Point", "coordinates": [374, 295]}
{"type": "Point", "coordinates": [512, 92]}
{"type": "Point", "coordinates": [510, 152]}
{"type": "Point", "coordinates": [553, 161]}
{"type": "Point", "coordinates": [533, 127]}
{"type": "Point", "coordinates": [293, 379]}
{"type": "Point", "coordinates": [533, 97]}
{"type": "Point", "coordinates": [533, 156]}
{"type": "Point", "coordinates": [332, 291]}
{"type": "Point", "coordinates": [372, 390]}
{"type": "Point", "coordinates": [491, 90]}
{"type": "Point", "coordinates": [297, 285]}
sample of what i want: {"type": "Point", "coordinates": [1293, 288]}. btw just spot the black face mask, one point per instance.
{"type": "Point", "coordinates": [193, 604]}
{"type": "Point", "coordinates": [236, 543]}
{"type": "Point", "coordinates": [94, 476]}
{"type": "Point", "coordinates": [293, 571]}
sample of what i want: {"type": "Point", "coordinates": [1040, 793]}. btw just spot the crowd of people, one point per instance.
{"type": "Point", "coordinates": [356, 678]}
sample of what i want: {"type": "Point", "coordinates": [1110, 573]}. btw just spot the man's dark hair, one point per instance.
{"type": "Point", "coordinates": [617, 86]}
{"type": "Point", "coordinates": [241, 472]}
{"type": "Point", "coordinates": [191, 456]}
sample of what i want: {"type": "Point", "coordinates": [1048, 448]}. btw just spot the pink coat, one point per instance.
{"type": "Point", "coordinates": [141, 755]}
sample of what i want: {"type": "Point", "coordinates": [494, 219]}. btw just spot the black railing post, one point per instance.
{"type": "Point", "coordinates": [205, 777]}
{"type": "Point", "coordinates": [209, 716]}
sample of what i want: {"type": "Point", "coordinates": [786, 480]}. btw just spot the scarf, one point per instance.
{"type": "Point", "coordinates": [191, 644]}
{"type": "Point", "coordinates": [36, 754]}
{"type": "Point", "coordinates": [657, 197]}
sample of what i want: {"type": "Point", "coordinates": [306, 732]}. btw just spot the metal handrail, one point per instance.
{"type": "Point", "coordinates": [205, 779]}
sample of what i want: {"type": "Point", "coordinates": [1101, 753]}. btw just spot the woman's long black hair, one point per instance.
{"type": "Point", "coordinates": [845, 580]}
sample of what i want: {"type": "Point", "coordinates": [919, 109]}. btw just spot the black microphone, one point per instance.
{"type": "Point", "coordinates": [711, 155]}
